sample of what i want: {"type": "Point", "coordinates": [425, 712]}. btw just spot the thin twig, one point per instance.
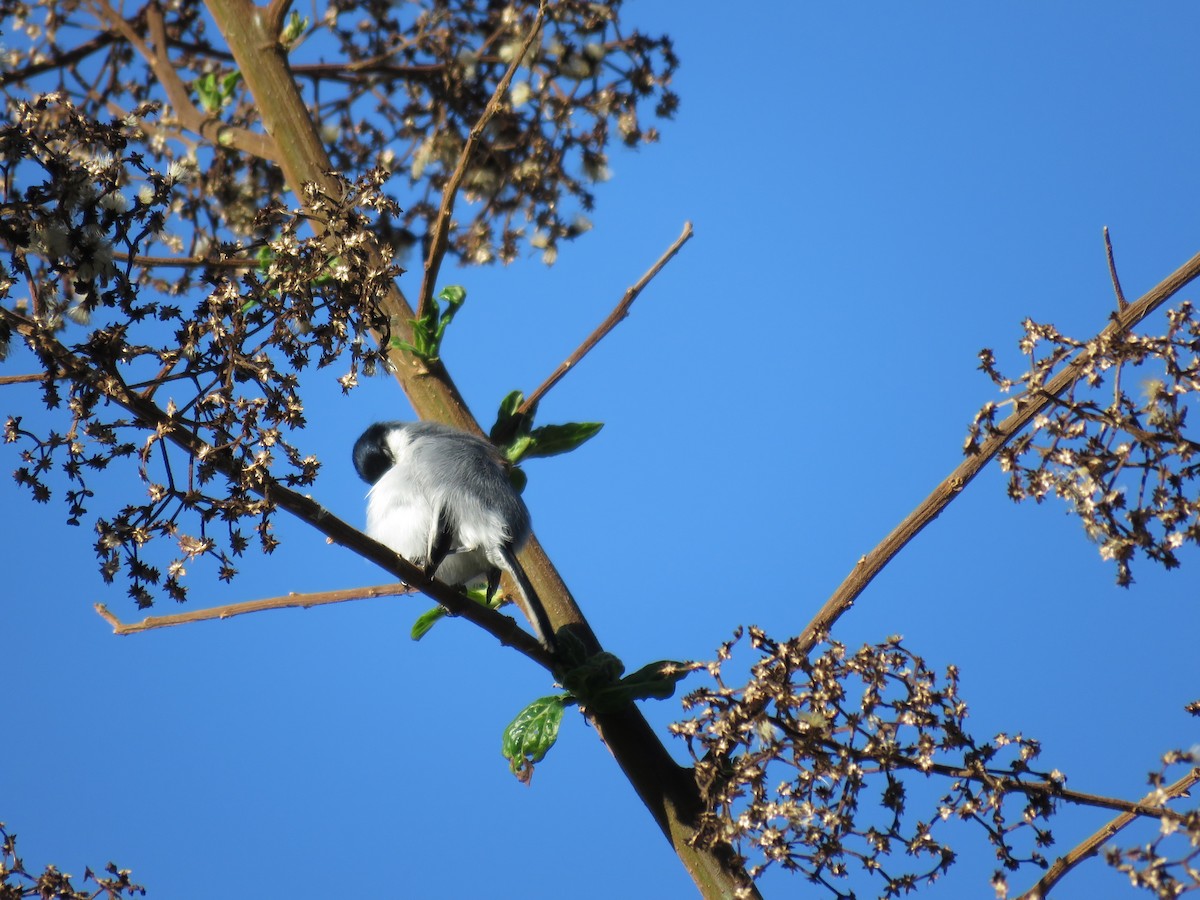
{"type": "Point", "coordinates": [441, 228]}
{"type": "Point", "coordinates": [184, 262]}
{"type": "Point", "coordinates": [1112, 271]}
{"type": "Point", "coordinates": [19, 379]}
{"type": "Point", "coordinates": [931, 507]}
{"type": "Point", "coordinates": [287, 601]}
{"type": "Point", "coordinates": [1090, 847]}
{"type": "Point", "coordinates": [619, 313]}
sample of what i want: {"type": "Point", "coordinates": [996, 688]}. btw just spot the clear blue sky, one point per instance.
{"type": "Point", "coordinates": [878, 191]}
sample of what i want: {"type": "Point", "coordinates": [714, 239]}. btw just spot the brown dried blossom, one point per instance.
{"type": "Point", "coordinates": [394, 86]}
{"type": "Point", "coordinates": [1116, 444]}
{"type": "Point", "coordinates": [1169, 865]}
{"type": "Point", "coordinates": [141, 211]}
{"type": "Point", "coordinates": [224, 366]}
{"type": "Point", "coordinates": [810, 765]}
{"type": "Point", "coordinates": [17, 882]}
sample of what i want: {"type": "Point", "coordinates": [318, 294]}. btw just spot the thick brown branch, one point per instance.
{"type": "Point", "coordinates": [287, 601]}
{"type": "Point", "coordinates": [931, 507]}
{"type": "Point", "coordinates": [614, 318]}
{"type": "Point", "coordinates": [440, 235]}
{"type": "Point", "coordinates": [1091, 846]}
{"type": "Point", "coordinates": [20, 379]}
{"type": "Point", "coordinates": [668, 790]}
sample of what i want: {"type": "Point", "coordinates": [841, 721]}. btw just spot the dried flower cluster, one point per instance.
{"type": "Point", "coordinates": [1167, 873]}
{"type": "Point", "coordinates": [221, 366]}
{"type": "Point", "coordinates": [17, 882]}
{"type": "Point", "coordinates": [394, 85]}
{"type": "Point", "coordinates": [1116, 444]}
{"type": "Point", "coordinates": [809, 766]}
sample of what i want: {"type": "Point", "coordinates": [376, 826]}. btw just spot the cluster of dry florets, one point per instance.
{"type": "Point", "coordinates": [17, 882]}
{"type": "Point", "coordinates": [222, 365]}
{"type": "Point", "coordinates": [396, 86]}
{"type": "Point", "coordinates": [810, 765]}
{"type": "Point", "coordinates": [1169, 865]}
{"type": "Point", "coordinates": [1116, 443]}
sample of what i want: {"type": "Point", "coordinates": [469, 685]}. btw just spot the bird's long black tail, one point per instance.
{"type": "Point", "coordinates": [529, 602]}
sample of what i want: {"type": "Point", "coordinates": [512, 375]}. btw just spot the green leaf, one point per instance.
{"type": "Point", "coordinates": [518, 479]}
{"type": "Point", "coordinates": [657, 680]}
{"type": "Point", "coordinates": [214, 94]}
{"type": "Point", "coordinates": [594, 674]}
{"type": "Point", "coordinates": [454, 295]}
{"type": "Point", "coordinates": [430, 617]}
{"type": "Point", "coordinates": [426, 621]}
{"type": "Point", "coordinates": [510, 425]}
{"type": "Point", "coordinates": [550, 440]}
{"type": "Point", "coordinates": [531, 734]}
{"type": "Point", "coordinates": [508, 408]}
{"type": "Point", "coordinates": [520, 446]}
{"type": "Point", "coordinates": [292, 31]}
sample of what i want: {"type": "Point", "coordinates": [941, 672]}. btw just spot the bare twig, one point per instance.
{"type": "Point", "coordinates": [1026, 410]}
{"type": "Point", "coordinates": [209, 127]}
{"type": "Point", "coordinates": [614, 318]}
{"type": "Point", "coordinates": [19, 379]}
{"type": "Point", "coordinates": [440, 235]}
{"type": "Point", "coordinates": [1090, 847]}
{"type": "Point", "coordinates": [287, 601]}
{"type": "Point", "coordinates": [1112, 271]}
{"type": "Point", "coordinates": [184, 262]}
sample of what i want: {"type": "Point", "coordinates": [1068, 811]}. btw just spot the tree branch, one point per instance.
{"type": "Point", "coordinates": [209, 127]}
{"type": "Point", "coordinates": [1027, 408]}
{"type": "Point", "coordinates": [287, 601]}
{"type": "Point", "coordinates": [184, 262]}
{"type": "Point", "coordinates": [501, 627]}
{"type": "Point", "coordinates": [668, 790]}
{"type": "Point", "coordinates": [1112, 271]}
{"type": "Point", "coordinates": [614, 318]}
{"type": "Point", "coordinates": [20, 379]}
{"type": "Point", "coordinates": [1091, 846]}
{"type": "Point", "coordinates": [441, 228]}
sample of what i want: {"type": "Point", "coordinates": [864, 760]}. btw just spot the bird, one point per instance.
{"type": "Point", "coordinates": [441, 498]}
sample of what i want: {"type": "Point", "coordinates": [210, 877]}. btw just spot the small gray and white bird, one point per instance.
{"type": "Point", "coordinates": [440, 498]}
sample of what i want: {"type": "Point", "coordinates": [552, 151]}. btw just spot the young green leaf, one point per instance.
{"type": "Point", "coordinates": [658, 679]}
{"type": "Point", "coordinates": [426, 621]}
{"type": "Point", "coordinates": [550, 440]}
{"type": "Point", "coordinates": [292, 31]}
{"type": "Point", "coordinates": [430, 617]}
{"type": "Point", "coordinates": [531, 734]}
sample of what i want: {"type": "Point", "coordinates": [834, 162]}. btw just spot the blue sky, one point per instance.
{"type": "Point", "coordinates": [878, 191]}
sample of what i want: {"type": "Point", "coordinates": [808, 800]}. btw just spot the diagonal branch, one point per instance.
{"type": "Point", "coordinates": [209, 127]}
{"type": "Point", "coordinates": [441, 228]}
{"type": "Point", "coordinates": [1027, 408]}
{"type": "Point", "coordinates": [228, 611]}
{"type": "Point", "coordinates": [1091, 846]}
{"type": "Point", "coordinates": [614, 318]}
{"type": "Point", "coordinates": [303, 507]}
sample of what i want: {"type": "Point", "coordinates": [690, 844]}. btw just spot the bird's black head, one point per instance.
{"type": "Point", "coordinates": [372, 458]}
